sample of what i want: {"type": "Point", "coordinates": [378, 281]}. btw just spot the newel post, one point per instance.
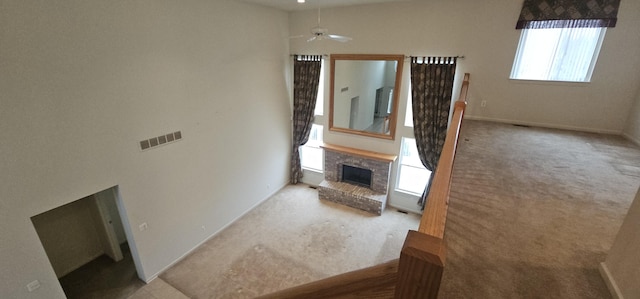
{"type": "Point", "coordinates": [421, 265]}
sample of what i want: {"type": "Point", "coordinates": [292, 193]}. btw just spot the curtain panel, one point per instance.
{"type": "Point", "coordinates": [306, 77]}
{"type": "Point", "coordinates": [431, 92]}
{"type": "Point", "coordinates": [537, 14]}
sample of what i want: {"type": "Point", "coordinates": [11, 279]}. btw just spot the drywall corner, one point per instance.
{"type": "Point", "coordinates": [610, 282]}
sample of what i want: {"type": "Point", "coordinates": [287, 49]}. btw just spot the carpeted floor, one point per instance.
{"type": "Point", "coordinates": [291, 239]}
{"type": "Point", "coordinates": [534, 211]}
{"type": "Point", "coordinates": [532, 214]}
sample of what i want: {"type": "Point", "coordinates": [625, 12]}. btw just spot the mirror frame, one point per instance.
{"type": "Point", "coordinates": [396, 92]}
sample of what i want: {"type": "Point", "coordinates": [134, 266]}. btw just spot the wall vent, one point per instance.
{"type": "Point", "coordinates": [160, 140]}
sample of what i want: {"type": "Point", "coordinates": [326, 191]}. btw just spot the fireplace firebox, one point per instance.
{"type": "Point", "coordinates": [356, 175]}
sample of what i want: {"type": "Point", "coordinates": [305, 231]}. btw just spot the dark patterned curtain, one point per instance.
{"type": "Point", "coordinates": [537, 14]}
{"type": "Point", "coordinates": [306, 77]}
{"type": "Point", "coordinates": [431, 91]}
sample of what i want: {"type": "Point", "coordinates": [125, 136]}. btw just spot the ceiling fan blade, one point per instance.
{"type": "Point", "coordinates": [339, 38]}
{"type": "Point", "coordinates": [321, 33]}
{"type": "Point", "coordinates": [296, 36]}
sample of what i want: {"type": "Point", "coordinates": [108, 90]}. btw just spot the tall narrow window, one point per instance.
{"type": "Point", "coordinates": [412, 176]}
{"type": "Point", "coordinates": [319, 110]}
{"type": "Point", "coordinates": [408, 115]}
{"type": "Point", "coordinates": [311, 152]}
{"type": "Point", "coordinates": [557, 54]}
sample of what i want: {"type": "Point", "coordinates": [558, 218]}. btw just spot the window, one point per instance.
{"type": "Point", "coordinates": [408, 115]}
{"type": "Point", "coordinates": [320, 99]}
{"type": "Point", "coordinates": [557, 54]}
{"type": "Point", "coordinates": [412, 176]}
{"type": "Point", "coordinates": [311, 152]}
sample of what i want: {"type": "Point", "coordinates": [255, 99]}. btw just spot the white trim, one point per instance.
{"type": "Point", "coordinates": [214, 234]}
{"type": "Point", "coordinates": [563, 38]}
{"type": "Point", "coordinates": [543, 125]}
{"type": "Point", "coordinates": [610, 282]}
{"type": "Point", "coordinates": [404, 208]}
{"type": "Point", "coordinates": [312, 178]}
{"type": "Point", "coordinates": [407, 192]}
{"type": "Point", "coordinates": [320, 171]}
{"type": "Point", "coordinates": [150, 279]}
{"type": "Point", "coordinates": [128, 231]}
{"type": "Point", "coordinates": [403, 201]}
{"type": "Point", "coordinates": [547, 82]}
{"type": "Point", "coordinates": [596, 54]}
{"type": "Point", "coordinates": [631, 138]}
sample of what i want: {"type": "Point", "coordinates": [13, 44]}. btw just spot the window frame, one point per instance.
{"type": "Point", "coordinates": [517, 61]}
{"type": "Point", "coordinates": [402, 164]}
{"type": "Point", "coordinates": [319, 108]}
{"type": "Point", "coordinates": [313, 145]}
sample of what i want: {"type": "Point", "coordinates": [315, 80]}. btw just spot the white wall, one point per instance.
{"type": "Point", "coordinates": [632, 130]}
{"type": "Point", "coordinates": [621, 269]}
{"type": "Point", "coordinates": [84, 81]}
{"type": "Point", "coordinates": [482, 31]}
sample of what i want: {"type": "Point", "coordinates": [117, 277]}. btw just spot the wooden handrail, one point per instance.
{"type": "Point", "coordinates": [434, 216]}
{"type": "Point", "coordinates": [422, 259]}
{"type": "Point", "coordinates": [373, 282]}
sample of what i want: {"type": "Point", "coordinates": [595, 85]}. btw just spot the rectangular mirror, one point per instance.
{"type": "Point", "coordinates": [364, 94]}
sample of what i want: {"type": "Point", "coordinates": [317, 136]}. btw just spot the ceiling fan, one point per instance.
{"type": "Point", "coordinates": [321, 33]}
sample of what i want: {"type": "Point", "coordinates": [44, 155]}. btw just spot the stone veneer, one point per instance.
{"type": "Point", "coordinates": [373, 199]}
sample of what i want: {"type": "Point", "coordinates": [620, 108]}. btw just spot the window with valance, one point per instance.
{"type": "Point", "coordinates": [561, 39]}
{"type": "Point", "coordinates": [538, 14]}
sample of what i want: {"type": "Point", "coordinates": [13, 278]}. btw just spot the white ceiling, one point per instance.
{"type": "Point", "coordinates": [292, 5]}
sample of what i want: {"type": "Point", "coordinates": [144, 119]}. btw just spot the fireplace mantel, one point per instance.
{"type": "Point", "coordinates": [359, 152]}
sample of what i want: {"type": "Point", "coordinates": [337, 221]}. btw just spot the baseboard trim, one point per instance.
{"type": "Point", "coordinates": [631, 138]}
{"type": "Point", "coordinates": [610, 282]}
{"type": "Point", "coordinates": [154, 276]}
{"type": "Point", "coordinates": [150, 279]}
{"type": "Point", "coordinates": [543, 125]}
{"type": "Point", "coordinates": [404, 208]}
{"type": "Point", "coordinates": [403, 201]}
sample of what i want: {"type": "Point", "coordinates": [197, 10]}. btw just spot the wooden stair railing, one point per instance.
{"type": "Point", "coordinates": [374, 282]}
{"type": "Point", "coordinates": [423, 254]}
{"type": "Point", "coordinates": [418, 272]}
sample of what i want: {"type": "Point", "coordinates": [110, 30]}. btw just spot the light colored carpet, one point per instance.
{"type": "Point", "coordinates": [534, 211]}
{"type": "Point", "coordinates": [291, 239]}
{"type": "Point", "coordinates": [532, 214]}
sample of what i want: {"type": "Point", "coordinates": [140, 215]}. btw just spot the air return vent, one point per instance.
{"type": "Point", "coordinates": [160, 140]}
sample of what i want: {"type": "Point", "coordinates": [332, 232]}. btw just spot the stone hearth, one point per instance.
{"type": "Point", "coordinates": [372, 199]}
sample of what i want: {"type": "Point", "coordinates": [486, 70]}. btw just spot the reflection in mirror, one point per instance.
{"type": "Point", "coordinates": [364, 94]}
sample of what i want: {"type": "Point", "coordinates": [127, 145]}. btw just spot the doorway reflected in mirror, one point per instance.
{"type": "Point", "coordinates": [363, 97]}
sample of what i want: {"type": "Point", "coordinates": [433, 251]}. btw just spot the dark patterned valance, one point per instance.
{"type": "Point", "coordinates": [568, 13]}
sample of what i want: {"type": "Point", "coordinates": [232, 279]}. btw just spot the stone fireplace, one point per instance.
{"type": "Point", "coordinates": [356, 178]}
